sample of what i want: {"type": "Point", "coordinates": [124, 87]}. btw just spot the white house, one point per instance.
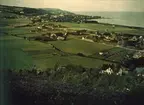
{"type": "Point", "coordinates": [107, 71]}
{"type": "Point", "coordinates": [21, 12]}
{"type": "Point", "coordinates": [85, 39]}
{"type": "Point", "coordinates": [60, 38]}
{"type": "Point", "coordinates": [100, 53]}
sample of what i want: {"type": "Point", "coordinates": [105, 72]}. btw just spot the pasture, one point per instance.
{"type": "Point", "coordinates": [116, 54]}
{"type": "Point", "coordinates": [12, 56]}
{"type": "Point", "coordinates": [19, 53]}
{"type": "Point", "coordinates": [16, 52]}
{"type": "Point", "coordinates": [80, 46]}
{"type": "Point", "coordinates": [102, 27]}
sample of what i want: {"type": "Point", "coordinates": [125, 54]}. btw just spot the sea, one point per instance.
{"type": "Point", "coordinates": [120, 18]}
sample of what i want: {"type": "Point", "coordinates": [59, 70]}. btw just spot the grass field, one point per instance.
{"type": "Point", "coordinates": [24, 54]}
{"type": "Point", "coordinates": [102, 27]}
{"type": "Point", "coordinates": [79, 46]}
{"type": "Point", "coordinates": [18, 53]}
{"type": "Point", "coordinates": [115, 54]}
{"type": "Point", "coordinates": [44, 56]}
{"type": "Point", "coordinates": [11, 54]}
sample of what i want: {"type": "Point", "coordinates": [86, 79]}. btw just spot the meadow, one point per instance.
{"type": "Point", "coordinates": [80, 46]}
{"type": "Point", "coordinates": [19, 53]}
{"type": "Point", "coordinates": [103, 27]}
{"type": "Point", "coordinates": [11, 54]}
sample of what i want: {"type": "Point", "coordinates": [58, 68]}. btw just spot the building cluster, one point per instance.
{"type": "Point", "coordinates": [138, 54]}
{"type": "Point", "coordinates": [112, 69]}
{"type": "Point", "coordinates": [131, 41]}
{"type": "Point", "coordinates": [69, 18]}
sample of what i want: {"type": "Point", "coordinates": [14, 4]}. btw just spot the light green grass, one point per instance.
{"type": "Point", "coordinates": [18, 53]}
{"type": "Point", "coordinates": [115, 54]}
{"type": "Point", "coordinates": [79, 46]}
{"type": "Point", "coordinates": [42, 54]}
{"type": "Point", "coordinates": [47, 61]}
{"type": "Point", "coordinates": [102, 27]}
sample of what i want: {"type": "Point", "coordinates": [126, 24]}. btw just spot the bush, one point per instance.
{"type": "Point", "coordinates": [81, 54]}
{"type": "Point", "coordinates": [74, 84]}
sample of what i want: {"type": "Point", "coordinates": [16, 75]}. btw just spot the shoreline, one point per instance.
{"type": "Point", "coordinates": [133, 27]}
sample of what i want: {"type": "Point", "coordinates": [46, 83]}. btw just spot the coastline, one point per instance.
{"type": "Point", "coordinates": [133, 27]}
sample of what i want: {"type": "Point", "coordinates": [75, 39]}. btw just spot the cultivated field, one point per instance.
{"type": "Point", "coordinates": [20, 53]}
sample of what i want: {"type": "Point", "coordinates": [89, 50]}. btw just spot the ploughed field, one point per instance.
{"type": "Point", "coordinates": [18, 52]}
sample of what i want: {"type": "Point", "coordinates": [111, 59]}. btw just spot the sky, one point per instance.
{"type": "Point", "coordinates": [81, 5]}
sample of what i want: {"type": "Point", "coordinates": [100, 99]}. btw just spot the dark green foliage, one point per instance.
{"type": "Point", "coordinates": [33, 11]}
{"type": "Point", "coordinates": [78, 75]}
{"type": "Point", "coordinates": [80, 54]}
{"type": "Point", "coordinates": [75, 85]}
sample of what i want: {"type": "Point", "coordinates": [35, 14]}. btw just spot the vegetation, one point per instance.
{"type": "Point", "coordinates": [76, 46]}
{"type": "Point", "coordinates": [73, 84]}
{"type": "Point", "coordinates": [51, 56]}
{"type": "Point", "coordinates": [11, 55]}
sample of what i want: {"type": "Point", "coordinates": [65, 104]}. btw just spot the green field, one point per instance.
{"type": "Point", "coordinates": [79, 46]}
{"type": "Point", "coordinates": [45, 56]}
{"type": "Point", "coordinates": [18, 53]}
{"type": "Point", "coordinates": [115, 54]}
{"type": "Point", "coordinates": [102, 27]}
{"type": "Point", "coordinates": [11, 54]}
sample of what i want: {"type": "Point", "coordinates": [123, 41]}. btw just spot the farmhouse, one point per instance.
{"type": "Point", "coordinates": [100, 53]}
{"type": "Point", "coordinates": [53, 36]}
{"type": "Point", "coordinates": [107, 38]}
{"type": "Point", "coordinates": [134, 38]}
{"type": "Point", "coordinates": [21, 12]}
{"type": "Point", "coordinates": [107, 71]}
{"type": "Point", "coordinates": [138, 54]}
{"type": "Point", "coordinates": [60, 38]}
{"type": "Point", "coordinates": [86, 39]}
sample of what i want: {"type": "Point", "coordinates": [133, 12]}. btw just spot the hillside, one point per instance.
{"type": "Point", "coordinates": [52, 14]}
{"type": "Point", "coordinates": [31, 11]}
{"type": "Point", "coordinates": [55, 57]}
{"type": "Point", "coordinates": [57, 11]}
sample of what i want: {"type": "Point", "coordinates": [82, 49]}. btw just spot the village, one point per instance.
{"type": "Point", "coordinates": [47, 27]}
{"type": "Point", "coordinates": [50, 31]}
{"type": "Point", "coordinates": [44, 22]}
{"type": "Point", "coordinates": [53, 32]}
{"type": "Point", "coordinates": [51, 56]}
